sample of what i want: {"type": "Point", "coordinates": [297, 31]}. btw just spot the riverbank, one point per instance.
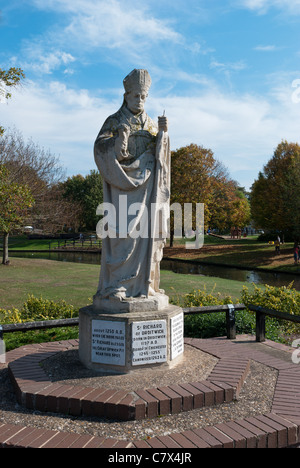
{"type": "Point", "coordinates": [245, 253]}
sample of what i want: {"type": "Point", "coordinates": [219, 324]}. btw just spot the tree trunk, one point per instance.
{"type": "Point", "coordinates": [5, 260]}
{"type": "Point", "coordinates": [171, 237]}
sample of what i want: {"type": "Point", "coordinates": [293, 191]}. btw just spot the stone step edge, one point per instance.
{"type": "Point", "coordinates": [265, 431]}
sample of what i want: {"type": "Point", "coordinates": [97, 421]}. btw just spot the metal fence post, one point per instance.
{"type": "Point", "coordinates": [260, 327]}
{"type": "Point", "coordinates": [2, 347]}
{"type": "Point", "coordinates": [230, 322]}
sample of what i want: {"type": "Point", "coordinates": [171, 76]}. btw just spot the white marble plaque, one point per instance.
{"type": "Point", "coordinates": [177, 345]}
{"type": "Point", "coordinates": [149, 342]}
{"type": "Point", "coordinates": [108, 342]}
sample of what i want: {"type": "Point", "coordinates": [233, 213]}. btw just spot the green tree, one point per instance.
{"type": "Point", "coordinates": [88, 194]}
{"type": "Point", "coordinates": [275, 195]}
{"type": "Point", "coordinates": [15, 200]}
{"type": "Point", "coordinates": [9, 79]}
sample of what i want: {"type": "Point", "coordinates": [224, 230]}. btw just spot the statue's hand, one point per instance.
{"type": "Point", "coordinates": [121, 142]}
{"type": "Point", "coordinates": [162, 124]}
{"type": "Point", "coordinates": [124, 131]}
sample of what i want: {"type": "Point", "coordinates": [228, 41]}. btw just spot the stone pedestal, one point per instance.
{"type": "Point", "coordinates": [112, 306]}
{"type": "Point", "coordinates": [127, 342]}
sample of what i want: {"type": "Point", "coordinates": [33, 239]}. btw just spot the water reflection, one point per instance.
{"type": "Point", "coordinates": [178, 266]}
{"type": "Point", "coordinates": [245, 276]}
{"type": "Point", "coordinates": [75, 257]}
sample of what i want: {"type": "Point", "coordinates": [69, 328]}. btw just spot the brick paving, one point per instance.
{"type": "Point", "coordinates": [35, 391]}
{"type": "Point", "coordinates": [278, 429]}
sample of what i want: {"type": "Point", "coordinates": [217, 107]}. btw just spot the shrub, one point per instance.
{"type": "Point", "coordinates": [272, 236]}
{"type": "Point", "coordinates": [199, 298]}
{"type": "Point", "coordinates": [37, 309]}
{"type": "Point", "coordinates": [213, 324]}
{"type": "Point", "coordinates": [284, 299]}
{"type": "Point", "coordinates": [17, 339]}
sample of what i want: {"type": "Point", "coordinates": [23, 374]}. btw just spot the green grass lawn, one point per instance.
{"type": "Point", "coordinates": [76, 283]}
{"type": "Point", "coordinates": [23, 243]}
{"type": "Point", "coordinates": [251, 255]}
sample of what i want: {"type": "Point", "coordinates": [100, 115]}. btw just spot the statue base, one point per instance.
{"type": "Point", "coordinates": [112, 305]}
{"type": "Point", "coordinates": [129, 342]}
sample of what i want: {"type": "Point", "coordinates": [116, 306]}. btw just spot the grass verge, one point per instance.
{"type": "Point", "coordinates": [76, 283]}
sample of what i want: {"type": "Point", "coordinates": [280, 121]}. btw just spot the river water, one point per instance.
{"type": "Point", "coordinates": [178, 266]}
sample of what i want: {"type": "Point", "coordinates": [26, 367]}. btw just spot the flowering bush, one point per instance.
{"type": "Point", "coordinates": [284, 299]}
{"type": "Point", "coordinates": [199, 298]}
{"type": "Point", "coordinates": [10, 316]}
{"type": "Point", "coordinates": [37, 309]}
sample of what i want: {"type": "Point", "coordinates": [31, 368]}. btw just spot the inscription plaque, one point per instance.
{"type": "Point", "coordinates": [177, 346]}
{"type": "Point", "coordinates": [149, 342]}
{"type": "Point", "coordinates": [108, 342]}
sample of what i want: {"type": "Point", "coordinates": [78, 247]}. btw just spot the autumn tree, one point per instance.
{"type": "Point", "coordinates": [54, 214]}
{"type": "Point", "coordinates": [240, 213]}
{"type": "Point", "coordinates": [8, 80]}
{"type": "Point", "coordinates": [29, 163]}
{"type": "Point", "coordinates": [192, 168]}
{"type": "Point", "coordinates": [40, 170]}
{"type": "Point", "coordinates": [229, 207]}
{"type": "Point", "coordinates": [197, 177]}
{"type": "Point", "coordinates": [15, 200]}
{"type": "Point", "coordinates": [275, 195]}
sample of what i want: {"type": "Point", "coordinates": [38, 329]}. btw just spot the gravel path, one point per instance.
{"type": "Point", "coordinates": [66, 368]}
{"type": "Point", "coordinates": [255, 398]}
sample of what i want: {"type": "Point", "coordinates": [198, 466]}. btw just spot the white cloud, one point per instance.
{"type": "Point", "coordinates": [119, 32]}
{"type": "Point", "coordinates": [267, 48]}
{"type": "Point", "coordinates": [262, 6]}
{"type": "Point", "coordinates": [227, 67]}
{"type": "Point", "coordinates": [65, 121]}
{"type": "Point", "coordinates": [112, 24]}
{"type": "Point", "coordinates": [241, 130]}
{"type": "Point", "coordinates": [39, 60]}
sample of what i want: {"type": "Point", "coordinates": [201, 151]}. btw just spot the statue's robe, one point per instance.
{"type": "Point", "coordinates": [133, 249]}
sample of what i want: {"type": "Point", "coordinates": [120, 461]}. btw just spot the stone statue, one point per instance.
{"type": "Point", "coordinates": [133, 157]}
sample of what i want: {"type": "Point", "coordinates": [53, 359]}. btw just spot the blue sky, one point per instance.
{"type": "Point", "coordinates": [227, 73]}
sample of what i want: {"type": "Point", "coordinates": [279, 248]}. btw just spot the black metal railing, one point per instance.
{"type": "Point", "coordinates": [230, 310]}
{"type": "Point", "coordinates": [85, 243]}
